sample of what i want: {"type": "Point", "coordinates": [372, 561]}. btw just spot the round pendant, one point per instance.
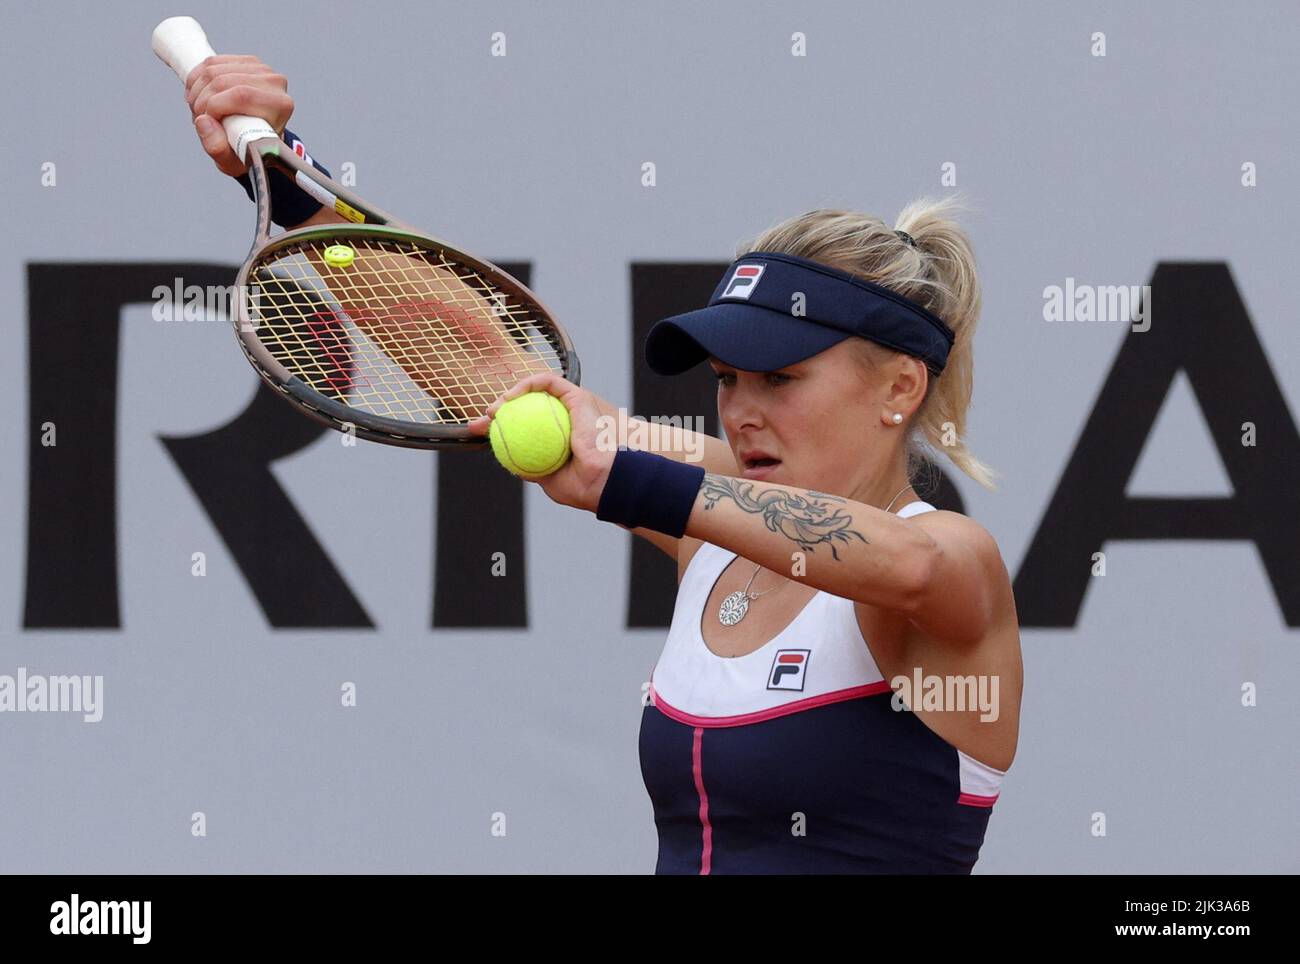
{"type": "Point", "coordinates": [733, 608]}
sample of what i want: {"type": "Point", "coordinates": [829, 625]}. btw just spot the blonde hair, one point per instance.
{"type": "Point", "coordinates": [939, 274]}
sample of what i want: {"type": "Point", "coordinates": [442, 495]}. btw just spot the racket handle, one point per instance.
{"type": "Point", "coordinates": [182, 45]}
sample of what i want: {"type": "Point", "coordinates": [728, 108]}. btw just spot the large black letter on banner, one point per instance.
{"type": "Point", "coordinates": [660, 290]}
{"type": "Point", "coordinates": [74, 313]}
{"type": "Point", "coordinates": [72, 550]}
{"type": "Point", "coordinates": [480, 512]}
{"type": "Point", "coordinates": [1200, 326]}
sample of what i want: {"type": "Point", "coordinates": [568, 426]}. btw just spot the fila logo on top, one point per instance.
{"type": "Point", "coordinates": [788, 668]}
{"type": "Point", "coordinates": [744, 281]}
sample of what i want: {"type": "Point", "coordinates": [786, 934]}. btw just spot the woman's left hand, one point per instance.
{"type": "Point", "coordinates": [580, 481]}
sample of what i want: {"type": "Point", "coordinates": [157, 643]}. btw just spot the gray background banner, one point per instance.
{"type": "Point", "coordinates": [1085, 167]}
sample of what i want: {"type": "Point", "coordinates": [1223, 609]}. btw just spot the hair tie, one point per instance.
{"type": "Point", "coordinates": [903, 235]}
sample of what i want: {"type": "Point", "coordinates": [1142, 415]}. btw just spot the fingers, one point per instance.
{"type": "Point", "coordinates": [271, 106]}
{"type": "Point", "coordinates": [217, 146]}
{"type": "Point", "coordinates": [200, 97]}
{"type": "Point", "coordinates": [534, 383]}
{"type": "Point", "coordinates": [202, 75]}
{"type": "Point", "coordinates": [554, 384]}
{"type": "Point", "coordinates": [228, 84]}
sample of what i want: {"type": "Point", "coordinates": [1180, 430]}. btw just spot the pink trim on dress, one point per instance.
{"type": "Point", "coordinates": [697, 768]}
{"type": "Point", "coordinates": [853, 693]}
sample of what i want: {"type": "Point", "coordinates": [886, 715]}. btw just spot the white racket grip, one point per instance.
{"type": "Point", "coordinates": [182, 45]}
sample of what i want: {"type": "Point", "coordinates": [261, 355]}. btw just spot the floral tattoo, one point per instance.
{"type": "Point", "coordinates": [807, 522]}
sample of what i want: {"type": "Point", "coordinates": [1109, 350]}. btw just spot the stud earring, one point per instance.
{"type": "Point", "coordinates": [897, 417]}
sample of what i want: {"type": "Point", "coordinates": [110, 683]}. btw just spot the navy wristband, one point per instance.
{"type": "Point", "coordinates": [290, 204]}
{"type": "Point", "coordinates": [645, 490]}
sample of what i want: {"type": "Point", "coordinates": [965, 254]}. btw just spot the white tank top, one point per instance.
{"type": "Point", "coordinates": [821, 657]}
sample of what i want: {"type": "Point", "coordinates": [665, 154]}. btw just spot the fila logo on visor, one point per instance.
{"type": "Point", "coordinates": [744, 281]}
{"type": "Point", "coordinates": [788, 668]}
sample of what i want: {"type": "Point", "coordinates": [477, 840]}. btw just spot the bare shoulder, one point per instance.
{"type": "Point", "coordinates": [966, 594]}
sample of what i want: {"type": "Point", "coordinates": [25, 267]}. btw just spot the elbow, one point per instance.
{"type": "Point", "coordinates": [920, 568]}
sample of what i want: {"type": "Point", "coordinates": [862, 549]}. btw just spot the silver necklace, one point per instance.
{"type": "Point", "coordinates": [736, 605]}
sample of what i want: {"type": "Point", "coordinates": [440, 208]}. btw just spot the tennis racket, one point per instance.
{"type": "Point", "coordinates": [372, 327]}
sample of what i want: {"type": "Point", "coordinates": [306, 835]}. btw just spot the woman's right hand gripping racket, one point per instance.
{"type": "Point", "coordinates": [370, 326]}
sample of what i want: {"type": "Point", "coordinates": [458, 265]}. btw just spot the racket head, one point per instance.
{"type": "Point", "coordinates": [406, 343]}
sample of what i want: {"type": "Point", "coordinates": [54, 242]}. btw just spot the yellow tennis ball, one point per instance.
{"type": "Point", "coordinates": [339, 256]}
{"type": "Point", "coordinates": [530, 435]}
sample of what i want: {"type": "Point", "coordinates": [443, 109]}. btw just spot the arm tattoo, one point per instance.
{"type": "Point", "coordinates": [807, 522]}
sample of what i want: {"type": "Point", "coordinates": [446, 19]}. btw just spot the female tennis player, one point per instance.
{"type": "Point", "coordinates": [840, 687]}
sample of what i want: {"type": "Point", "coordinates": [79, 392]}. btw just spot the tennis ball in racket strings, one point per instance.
{"type": "Point", "coordinates": [530, 435]}
{"type": "Point", "coordinates": [339, 256]}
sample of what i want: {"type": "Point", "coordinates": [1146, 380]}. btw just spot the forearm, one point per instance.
{"type": "Point", "coordinates": [837, 545]}
{"type": "Point", "coordinates": [323, 216]}
{"type": "Point", "coordinates": [672, 442]}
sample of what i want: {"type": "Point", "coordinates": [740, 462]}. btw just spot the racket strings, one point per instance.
{"type": "Point", "coordinates": [401, 330]}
